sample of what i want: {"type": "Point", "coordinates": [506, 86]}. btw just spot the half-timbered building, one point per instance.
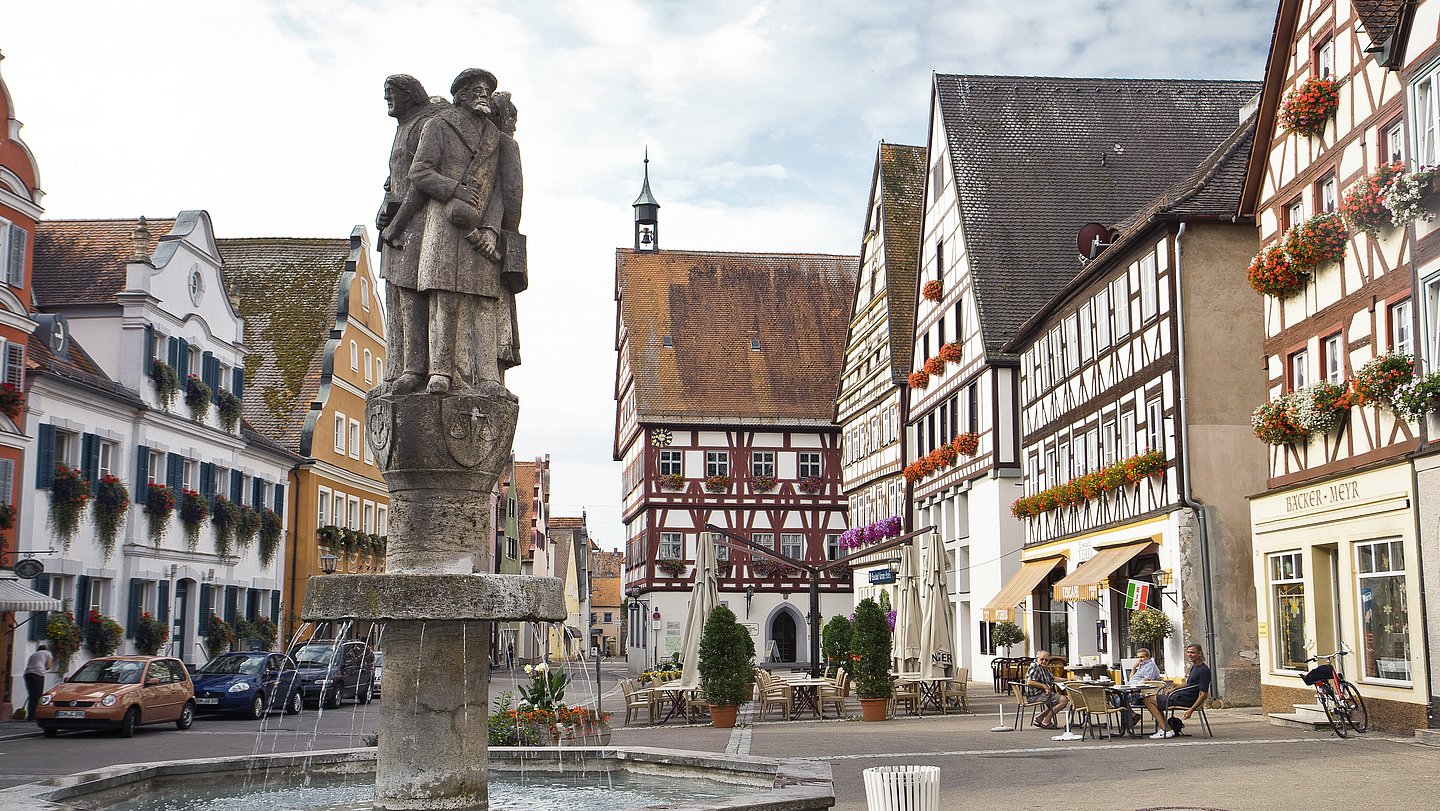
{"type": "Point", "coordinates": [1136, 435]}
{"type": "Point", "coordinates": [1016, 166]}
{"type": "Point", "coordinates": [870, 405]}
{"type": "Point", "coordinates": [1337, 556]}
{"type": "Point", "coordinates": [725, 401]}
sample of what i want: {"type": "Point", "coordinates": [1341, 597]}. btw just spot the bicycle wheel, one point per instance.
{"type": "Point", "coordinates": [1331, 705]}
{"type": "Point", "coordinates": [1356, 715]}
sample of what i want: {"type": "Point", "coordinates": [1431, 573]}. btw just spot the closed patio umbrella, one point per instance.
{"type": "Point", "coordinates": [938, 615]}
{"type": "Point", "coordinates": [704, 596]}
{"type": "Point", "coordinates": [906, 640]}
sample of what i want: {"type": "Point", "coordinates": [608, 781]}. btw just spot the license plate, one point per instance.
{"type": "Point", "coordinates": [207, 701]}
{"type": "Point", "coordinates": [69, 713]}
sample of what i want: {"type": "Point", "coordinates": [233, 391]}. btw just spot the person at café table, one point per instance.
{"type": "Point", "coordinates": [1040, 685]}
{"type": "Point", "coordinates": [1197, 681]}
{"type": "Point", "coordinates": [1145, 670]}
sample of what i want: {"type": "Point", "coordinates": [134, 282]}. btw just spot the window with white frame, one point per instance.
{"type": "Point", "coordinates": [7, 482]}
{"type": "Point", "coordinates": [95, 600]}
{"type": "Point", "coordinates": [1072, 343]}
{"type": "Point", "coordinates": [369, 361]}
{"type": "Point", "coordinates": [13, 244]}
{"type": "Point", "coordinates": [672, 463]}
{"type": "Point", "coordinates": [1295, 212]}
{"type": "Point", "coordinates": [1148, 283]}
{"type": "Point", "coordinates": [364, 292]}
{"type": "Point", "coordinates": [672, 546]}
{"type": "Point", "coordinates": [352, 513]}
{"type": "Point", "coordinates": [354, 357]}
{"type": "Point", "coordinates": [354, 439]}
{"type": "Point", "coordinates": [1120, 301]}
{"type": "Point", "coordinates": [717, 463]}
{"type": "Point", "coordinates": [382, 520]}
{"type": "Point", "coordinates": [155, 467]}
{"type": "Point", "coordinates": [1325, 58]}
{"type": "Point", "coordinates": [1384, 609]}
{"type": "Point", "coordinates": [339, 432]}
{"type": "Point", "coordinates": [1329, 194]}
{"type": "Point", "coordinates": [1092, 450]}
{"type": "Point", "coordinates": [1402, 328]}
{"type": "Point", "coordinates": [1299, 365]}
{"type": "Point", "coordinates": [1102, 320]}
{"type": "Point", "coordinates": [1287, 610]}
{"type": "Point", "coordinates": [1425, 113]}
{"type": "Point", "coordinates": [338, 516]}
{"type": "Point", "coordinates": [367, 517]}
{"type": "Point", "coordinates": [379, 368]}
{"type": "Point", "coordinates": [1155, 424]}
{"type": "Point", "coordinates": [1128, 435]}
{"type": "Point", "coordinates": [1394, 136]}
{"type": "Point", "coordinates": [67, 448]}
{"type": "Point", "coordinates": [1087, 332]}
{"type": "Point", "coordinates": [792, 545]}
{"type": "Point", "coordinates": [765, 539]}
{"type": "Point", "coordinates": [1107, 442]}
{"type": "Point", "coordinates": [721, 544]}
{"type": "Point", "coordinates": [763, 464]}
{"type": "Point", "coordinates": [1333, 358]}
{"type": "Point", "coordinates": [832, 546]}
{"type": "Point", "coordinates": [809, 464]}
{"type": "Point", "coordinates": [322, 511]}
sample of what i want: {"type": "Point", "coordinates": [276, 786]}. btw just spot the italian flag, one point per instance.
{"type": "Point", "coordinates": [1137, 595]}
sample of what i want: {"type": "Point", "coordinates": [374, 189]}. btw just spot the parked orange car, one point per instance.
{"type": "Point", "coordinates": [120, 692]}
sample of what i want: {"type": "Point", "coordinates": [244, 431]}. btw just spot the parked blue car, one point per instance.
{"type": "Point", "coordinates": [249, 684]}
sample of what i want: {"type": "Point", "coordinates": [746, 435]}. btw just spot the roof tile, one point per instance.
{"type": "Point", "coordinates": [83, 261]}
{"type": "Point", "coordinates": [902, 178]}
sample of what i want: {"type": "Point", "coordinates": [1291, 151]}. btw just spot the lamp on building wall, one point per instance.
{"type": "Point", "coordinates": [1163, 578]}
{"type": "Point", "coordinates": [327, 563]}
{"type": "Point", "coordinates": [749, 595]}
{"type": "Point", "coordinates": [894, 564]}
{"type": "Point", "coordinates": [210, 576]}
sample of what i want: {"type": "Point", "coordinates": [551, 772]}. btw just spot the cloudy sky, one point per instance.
{"type": "Point", "coordinates": [761, 120]}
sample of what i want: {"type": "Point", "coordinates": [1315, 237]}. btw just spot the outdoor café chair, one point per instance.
{"type": "Point", "coordinates": [908, 693]}
{"type": "Point", "coordinates": [635, 701]}
{"type": "Point", "coordinates": [957, 690]}
{"type": "Point", "coordinates": [1088, 701]}
{"type": "Point", "coordinates": [1018, 690]}
{"type": "Point", "coordinates": [696, 707]}
{"type": "Point", "coordinates": [997, 671]}
{"type": "Point", "coordinates": [1199, 709]}
{"type": "Point", "coordinates": [835, 695]}
{"type": "Point", "coordinates": [774, 693]}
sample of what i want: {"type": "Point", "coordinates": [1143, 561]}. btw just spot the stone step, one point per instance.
{"type": "Point", "coordinates": [1298, 721]}
{"type": "Point", "coordinates": [1311, 712]}
{"type": "Point", "coordinates": [1429, 737]}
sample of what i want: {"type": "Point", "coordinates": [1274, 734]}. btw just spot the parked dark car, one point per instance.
{"type": "Point", "coordinates": [331, 671]}
{"type": "Point", "coordinates": [120, 693]}
{"type": "Point", "coordinates": [252, 684]}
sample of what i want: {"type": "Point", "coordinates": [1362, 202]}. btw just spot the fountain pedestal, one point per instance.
{"type": "Point", "coordinates": [437, 597]}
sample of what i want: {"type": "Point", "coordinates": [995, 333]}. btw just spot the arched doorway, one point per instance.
{"type": "Point", "coordinates": [782, 633]}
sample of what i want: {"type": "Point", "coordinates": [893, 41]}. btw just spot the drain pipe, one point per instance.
{"type": "Point", "coordinates": [1186, 497]}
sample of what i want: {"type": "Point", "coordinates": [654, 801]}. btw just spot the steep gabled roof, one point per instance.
{"type": "Point", "coordinates": [1387, 24]}
{"type": "Point", "coordinates": [902, 183]}
{"type": "Point", "coordinates": [79, 262]}
{"type": "Point", "coordinates": [710, 306]}
{"type": "Point", "coordinates": [288, 290]}
{"type": "Point", "coordinates": [1035, 158]}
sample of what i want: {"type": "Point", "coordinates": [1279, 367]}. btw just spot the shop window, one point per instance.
{"type": "Point", "coordinates": [1384, 610]}
{"type": "Point", "coordinates": [1287, 606]}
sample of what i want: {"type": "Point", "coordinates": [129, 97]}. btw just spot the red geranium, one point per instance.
{"type": "Point", "coordinates": [950, 353]}
{"type": "Point", "coordinates": [919, 380]}
{"type": "Point", "coordinates": [1364, 203]}
{"type": "Point", "coordinates": [1316, 241]}
{"type": "Point", "coordinates": [935, 365]}
{"type": "Point", "coordinates": [1272, 274]}
{"type": "Point", "coordinates": [933, 290]}
{"type": "Point", "coordinates": [966, 444]}
{"type": "Point", "coordinates": [1309, 105]}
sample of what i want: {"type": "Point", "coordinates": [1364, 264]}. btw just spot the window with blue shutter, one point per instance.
{"type": "Point", "coordinates": [257, 493]}
{"type": "Point", "coordinates": [136, 607]}
{"type": "Point", "coordinates": [82, 601]}
{"type": "Point", "coordinates": [162, 603]}
{"type": "Point", "coordinates": [232, 599]}
{"type": "Point", "coordinates": [142, 474]}
{"type": "Point", "coordinates": [280, 500]}
{"type": "Point", "coordinates": [172, 352]}
{"type": "Point", "coordinates": [147, 352]}
{"type": "Point", "coordinates": [184, 355]}
{"type": "Point", "coordinates": [252, 604]}
{"type": "Point", "coordinates": [175, 473]}
{"type": "Point", "coordinates": [45, 457]}
{"type": "Point", "coordinates": [238, 374]}
{"type": "Point", "coordinates": [15, 262]}
{"type": "Point", "coordinates": [210, 373]}
{"type": "Point", "coordinates": [237, 487]}
{"type": "Point", "coordinates": [275, 607]}
{"type": "Point", "coordinates": [207, 479]}
{"type": "Point", "coordinates": [38, 619]}
{"type": "Point", "coordinates": [15, 364]}
{"type": "Point", "coordinates": [205, 609]}
{"type": "Point", "coordinates": [90, 460]}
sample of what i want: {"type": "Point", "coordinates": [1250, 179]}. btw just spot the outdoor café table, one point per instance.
{"type": "Point", "coordinates": [807, 694]}
{"type": "Point", "coordinates": [930, 694]}
{"type": "Point", "coordinates": [673, 693]}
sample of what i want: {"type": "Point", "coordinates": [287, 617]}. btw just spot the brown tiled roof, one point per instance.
{"type": "Point", "coordinates": [83, 261]}
{"type": "Point", "coordinates": [288, 291]}
{"type": "Point", "coordinates": [1380, 18]}
{"type": "Point", "coordinates": [605, 591]}
{"type": "Point", "coordinates": [606, 564]}
{"type": "Point", "coordinates": [902, 177]}
{"type": "Point", "coordinates": [524, 507]}
{"type": "Point", "coordinates": [1036, 158]}
{"type": "Point", "coordinates": [75, 366]}
{"type": "Point", "coordinates": [566, 522]}
{"type": "Point", "coordinates": [712, 305]}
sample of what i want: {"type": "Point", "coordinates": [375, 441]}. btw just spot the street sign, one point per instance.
{"type": "Point", "coordinates": [879, 577]}
{"type": "Point", "coordinates": [29, 569]}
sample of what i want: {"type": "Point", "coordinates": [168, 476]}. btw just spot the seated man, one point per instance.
{"type": "Point", "coordinates": [1145, 670]}
{"type": "Point", "coordinates": [1197, 685]}
{"type": "Point", "coordinates": [1040, 686]}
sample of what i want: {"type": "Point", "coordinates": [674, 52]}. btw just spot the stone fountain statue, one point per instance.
{"type": "Point", "coordinates": [441, 425]}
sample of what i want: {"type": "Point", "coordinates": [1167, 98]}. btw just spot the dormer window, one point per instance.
{"type": "Point", "coordinates": [57, 337]}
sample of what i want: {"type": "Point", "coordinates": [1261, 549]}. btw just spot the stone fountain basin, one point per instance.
{"type": "Point", "coordinates": [427, 597]}
{"type": "Point", "coordinates": [795, 785]}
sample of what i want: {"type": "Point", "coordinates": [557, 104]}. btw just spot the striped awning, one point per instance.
{"type": "Point", "coordinates": [1085, 582]}
{"type": "Point", "coordinates": [16, 596]}
{"type": "Point", "coordinates": [1020, 586]}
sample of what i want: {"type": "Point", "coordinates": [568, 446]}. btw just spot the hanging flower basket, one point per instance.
{"type": "Point", "coordinates": [247, 524]}
{"type": "Point", "coordinates": [717, 484]}
{"type": "Point", "coordinates": [159, 504]}
{"type": "Point", "coordinates": [194, 508]}
{"type": "Point", "coordinates": [167, 382]}
{"type": "Point", "coordinates": [229, 410]}
{"type": "Point", "coordinates": [103, 635]}
{"type": "Point", "coordinates": [270, 530]}
{"type": "Point", "coordinates": [764, 484]}
{"type": "Point", "coordinates": [1403, 197]}
{"type": "Point", "coordinates": [672, 481]}
{"type": "Point", "coordinates": [769, 567]}
{"type": "Point", "coordinates": [1272, 273]}
{"type": "Point", "coordinates": [966, 444]}
{"type": "Point", "coordinates": [882, 530]}
{"type": "Point", "coordinates": [112, 501]}
{"type": "Point", "coordinates": [1419, 399]}
{"type": "Point", "coordinates": [1309, 106]}
{"type": "Point", "coordinates": [68, 494]}
{"type": "Point", "coordinates": [934, 365]}
{"type": "Point", "coordinates": [672, 567]}
{"type": "Point", "coordinates": [11, 399]}
{"type": "Point", "coordinates": [1317, 408]}
{"type": "Point", "coordinates": [197, 396]}
{"type": "Point", "coordinates": [1379, 382]}
{"type": "Point", "coordinates": [1316, 241]}
{"type": "Point", "coordinates": [810, 485]}
{"type": "Point", "coordinates": [64, 635]}
{"type": "Point", "coordinates": [933, 290]}
{"type": "Point", "coordinates": [223, 514]}
{"type": "Point", "coordinates": [1364, 204]}
{"type": "Point", "coordinates": [1274, 422]}
{"type": "Point", "coordinates": [919, 380]}
{"type": "Point", "coordinates": [950, 353]}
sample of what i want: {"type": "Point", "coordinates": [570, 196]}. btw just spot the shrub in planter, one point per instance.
{"type": "Point", "coordinates": [223, 514]}
{"type": "Point", "coordinates": [1006, 635]}
{"type": "Point", "coordinates": [167, 382]}
{"type": "Point", "coordinates": [64, 635]}
{"type": "Point", "coordinates": [112, 501]}
{"type": "Point", "coordinates": [1273, 274]}
{"type": "Point", "coordinates": [934, 365]}
{"type": "Point", "coordinates": [247, 523]}
{"type": "Point", "coordinates": [672, 481]}
{"type": "Point", "coordinates": [150, 635]}
{"type": "Point", "coordinates": [1380, 381]}
{"type": "Point", "coordinates": [1404, 195]}
{"type": "Point", "coordinates": [835, 643]}
{"type": "Point", "coordinates": [674, 567]}
{"type": "Point", "coordinates": [717, 484]}
{"type": "Point", "coordinates": [11, 399]}
{"type": "Point", "coordinates": [197, 396]}
{"type": "Point", "coordinates": [1309, 105]}
{"type": "Point", "coordinates": [1316, 241]}
{"type": "Point", "coordinates": [228, 408]}
{"type": "Point", "coordinates": [1364, 203]}
{"type": "Point", "coordinates": [1420, 398]}
{"type": "Point", "coordinates": [1149, 626]}
{"type": "Point", "coordinates": [103, 635]}
{"type": "Point", "coordinates": [919, 380]}
{"type": "Point", "coordinates": [194, 508]}
{"type": "Point", "coordinates": [270, 529]}
{"type": "Point", "coordinates": [1317, 407]}
{"type": "Point", "coordinates": [727, 662]}
{"type": "Point", "coordinates": [764, 484]}
{"type": "Point", "coordinates": [220, 638]}
{"type": "Point", "coordinates": [933, 290]}
{"type": "Point", "coordinates": [68, 494]}
{"type": "Point", "coordinates": [1274, 422]}
{"type": "Point", "coordinates": [870, 656]}
{"type": "Point", "coordinates": [159, 504]}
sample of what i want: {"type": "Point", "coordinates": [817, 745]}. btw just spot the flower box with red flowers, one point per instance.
{"type": "Point", "coordinates": [1316, 241]}
{"type": "Point", "coordinates": [966, 444]}
{"type": "Point", "coordinates": [769, 567]}
{"type": "Point", "coordinates": [934, 365]}
{"type": "Point", "coordinates": [1310, 105]}
{"type": "Point", "coordinates": [717, 484]}
{"type": "Point", "coordinates": [672, 481]}
{"type": "Point", "coordinates": [919, 380]}
{"type": "Point", "coordinates": [1091, 486]}
{"type": "Point", "coordinates": [1274, 422]}
{"type": "Point", "coordinates": [10, 400]}
{"type": "Point", "coordinates": [764, 484]}
{"type": "Point", "coordinates": [933, 290]}
{"type": "Point", "coordinates": [810, 485]}
{"type": "Point", "coordinates": [1379, 381]}
{"type": "Point", "coordinates": [672, 567]}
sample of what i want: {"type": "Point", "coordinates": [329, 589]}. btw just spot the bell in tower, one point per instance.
{"type": "Point", "coordinates": [647, 215]}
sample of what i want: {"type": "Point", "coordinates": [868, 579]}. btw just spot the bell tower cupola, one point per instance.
{"type": "Point", "coordinates": [647, 215]}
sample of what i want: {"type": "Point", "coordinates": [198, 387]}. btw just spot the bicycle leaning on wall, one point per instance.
{"type": "Point", "coordinates": [1339, 698]}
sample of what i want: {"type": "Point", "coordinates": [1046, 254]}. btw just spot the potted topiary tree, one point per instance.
{"type": "Point", "coordinates": [835, 643]}
{"type": "Point", "coordinates": [1006, 634]}
{"type": "Point", "coordinates": [727, 665]}
{"type": "Point", "coordinates": [1149, 626]}
{"type": "Point", "coordinates": [870, 660]}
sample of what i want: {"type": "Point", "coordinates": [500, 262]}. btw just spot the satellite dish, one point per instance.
{"type": "Point", "coordinates": [1093, 239]}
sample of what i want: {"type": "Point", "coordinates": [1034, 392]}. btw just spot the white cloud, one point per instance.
{"type": "Point", "coordinates": [761, 118]}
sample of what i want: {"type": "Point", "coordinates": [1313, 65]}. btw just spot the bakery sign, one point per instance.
{"type": "Point", "coordinates": [1324, 496]}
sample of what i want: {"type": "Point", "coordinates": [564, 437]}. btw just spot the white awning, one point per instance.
{"type": "Point", "coordinates": [15, 596]}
